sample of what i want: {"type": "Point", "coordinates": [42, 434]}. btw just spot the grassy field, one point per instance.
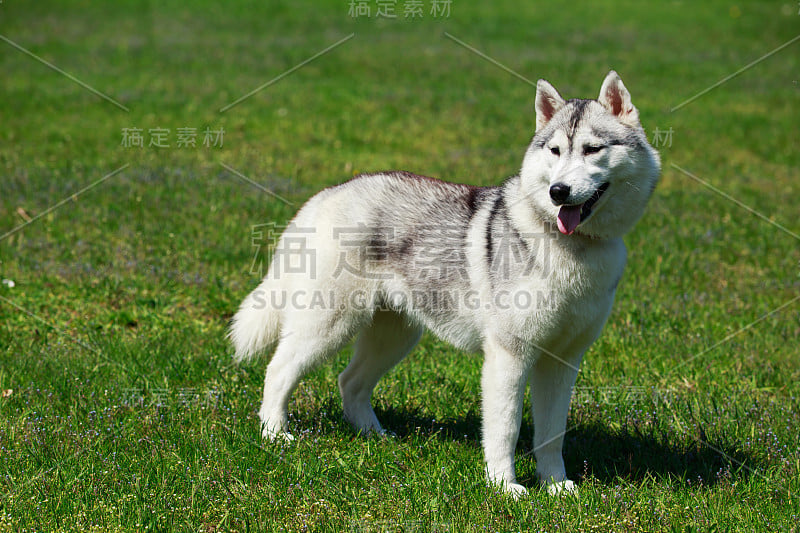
{"type": "Point", "coordinates": [120, 406]}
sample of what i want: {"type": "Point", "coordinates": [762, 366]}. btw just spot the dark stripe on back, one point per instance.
{"type": "Point", "coordinates": [496, 207]}
{"type": "Point", "coordinates": [472, 200]}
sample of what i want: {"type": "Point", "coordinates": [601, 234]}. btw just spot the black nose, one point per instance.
{"type": "Point", "coordinates": [559, 192]}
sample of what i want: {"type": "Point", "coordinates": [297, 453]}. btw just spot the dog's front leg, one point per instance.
{"type": "Point", "coordinates": [503, 384]}
{"type": "Point", "coordinates": [552, 379]}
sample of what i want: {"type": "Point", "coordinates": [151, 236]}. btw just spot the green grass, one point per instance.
{"type": "Point", "coordinates": [127, 412]}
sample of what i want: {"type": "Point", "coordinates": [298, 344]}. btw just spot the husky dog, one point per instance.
{"type": "Point", "coordinates": [524, 271]}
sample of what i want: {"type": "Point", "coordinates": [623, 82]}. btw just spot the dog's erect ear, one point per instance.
{"type": "Point", "coordinates": [548, 102]}
{"type": "Point", "coordinates": [616, 98]}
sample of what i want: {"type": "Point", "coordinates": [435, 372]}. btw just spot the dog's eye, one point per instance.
{"type": "Point", "coordinates": [555, 151]}
{"type": "Point", "coordinates": [587, 150]}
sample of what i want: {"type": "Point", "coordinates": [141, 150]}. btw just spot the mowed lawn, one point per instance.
{"type": "Point", "coordinates": [121, 265]}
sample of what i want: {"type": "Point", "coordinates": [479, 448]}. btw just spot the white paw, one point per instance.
{"type": "Point", "coordinates": [274, 435]}
{"type": "Point", "coordinates": [562, 488]}
{"type": "Point", "coordinates": [515, 490]}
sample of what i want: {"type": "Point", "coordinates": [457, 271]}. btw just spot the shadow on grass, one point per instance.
{"type": "Point", "coordinates": [409, 422]}
{"type": "Point", "coordinates": [594, 450]}
{"type": "Point", "coordinates": [608, 455]}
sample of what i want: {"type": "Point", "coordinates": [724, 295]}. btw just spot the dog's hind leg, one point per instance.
{"type": "Point", "coordinates": [303, 345]}
{"type": "Point", "coordinates": [380, 346]}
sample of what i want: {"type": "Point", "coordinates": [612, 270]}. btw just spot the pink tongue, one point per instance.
{"type": "Point", "coordinates": [569, 216]}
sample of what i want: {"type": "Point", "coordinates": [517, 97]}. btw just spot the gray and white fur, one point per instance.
{"type": "Point", "coordinates": [525, 272]}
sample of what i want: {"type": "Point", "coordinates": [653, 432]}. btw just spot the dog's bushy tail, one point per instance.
{"type": "Point", "coordinates": [256, 326]}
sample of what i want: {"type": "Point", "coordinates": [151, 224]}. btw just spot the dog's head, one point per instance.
{"type": "Point", "coordinates": [589, 168]}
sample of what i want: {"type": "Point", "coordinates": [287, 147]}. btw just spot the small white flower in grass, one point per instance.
{"type": "Point", "coordinates": [9, 283]}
